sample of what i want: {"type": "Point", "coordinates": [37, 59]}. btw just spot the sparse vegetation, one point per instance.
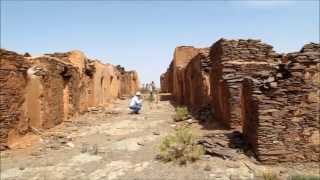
{"type": "Point", "coordinates": [304, 177]}
{"type": "Point", "coordinates": [180, 147]}
{"type": "Point", "coordinates": [181, 113]}
{"type": "Point", "coordinates": [268, 175]}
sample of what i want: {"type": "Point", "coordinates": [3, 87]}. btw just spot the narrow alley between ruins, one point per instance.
{"type": "Point", "coordinates": [109, 143]}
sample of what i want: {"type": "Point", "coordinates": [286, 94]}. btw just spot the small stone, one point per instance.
{"type": "Point", "coordinates": [205, 157]}
{"type": "Point", "coordinates": [190, 121]}
{"type": "Point", "coordinates": [207, 168]}
{"type": "Point", "coordinates": [274, 84]}
{"type": "Point", "coordinates": [35, 154]}
{"type": "Point", "coordinates": [232, 165]}
{"type": "Point", "coordinates": [156, 133]}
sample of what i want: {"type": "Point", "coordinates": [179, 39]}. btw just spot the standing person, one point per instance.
{"type": "Point", "coordinates": [153, 87]}
{"type": "Point", "coordinates": [152, 95]}
{"type": "Point", "coordinates": [136, 103]}
{"type": "Point", "coordinates": [154, 92]}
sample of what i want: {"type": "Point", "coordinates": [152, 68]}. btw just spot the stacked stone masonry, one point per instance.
{"type": "Point", "coordinates": [41, 92]}
{"type": "Point", "coordinates": [281, 113]}
{"type": "Point", "coordinates": [232, 61]}
{"type": "Point", "coordinates": [197, 74]}
{"type": "Point", "coordinates": [272, 98]}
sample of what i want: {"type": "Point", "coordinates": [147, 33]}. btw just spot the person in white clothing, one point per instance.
{"type": "Point", "coordinates": [136, 103]}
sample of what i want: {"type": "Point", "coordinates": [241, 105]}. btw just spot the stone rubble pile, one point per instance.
{"type": "Point", "coordinates": [218, 144]}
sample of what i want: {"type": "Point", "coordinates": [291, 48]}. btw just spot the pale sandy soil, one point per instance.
{"type": "Point", "coordinates": [113, 144]}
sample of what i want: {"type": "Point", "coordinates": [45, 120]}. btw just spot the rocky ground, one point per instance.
{"type": "Point", "coordinates": [113, 144]}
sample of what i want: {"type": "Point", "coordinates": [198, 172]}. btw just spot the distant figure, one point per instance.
{"type": "Point", "coordinates": [153, 87]}
{"type": "Point", "coordinates": [136, 103]}
{"type": "Point", "coordinates": [147, 86]}
{"type": "Point", "coordinates": [153, 97]}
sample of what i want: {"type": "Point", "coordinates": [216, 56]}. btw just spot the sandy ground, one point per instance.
{"type": "Point", "coordinates": [113, 144]}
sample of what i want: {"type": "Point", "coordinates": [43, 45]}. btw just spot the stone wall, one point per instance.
{"type": "Point", "coordinates": [188, 78]}
{"type": "Point", "coordinates": [181, 58]}
{"type": "Point", "coordinates": [41, 92]}
{"type": "Point", "coordinates": [281, 114]}
{"type": "Point", "coordinates": [197, 82]}
{"type": "Point", "coordinates": [106, 84]}
{"type": "Point", "coordinates": [166, 80]}
{"type": "Point", "coordinates": [86, 69]}
{"type": "Point", "coordinates": [13, 81]}
{"type": "Point", "coordinates": [273, 99]}
{"type": "Point", "coordinates": [130, 82]}
{"type": "Point", "coordinates": [232, 61]}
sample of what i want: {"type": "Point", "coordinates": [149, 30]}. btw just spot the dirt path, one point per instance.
{"type": "Point", "coordinates": [112, 144]}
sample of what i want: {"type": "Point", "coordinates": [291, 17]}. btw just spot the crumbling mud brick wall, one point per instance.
{"type": "Point", "coordinates": [13, 80]}
{"type": "Point", "coordinates": [182, 57]}
{"type": "Point", "coordinates": [106, 84]}
{"type": "Point", "coordinates": [58, 97]}
{"type": "Point", "coordinates": [166, 80]}
{"type": "Point", "coordinates": [164, 83]}
{"type": "Point", "coordinates": [232, 61]}
{"type": "Point", "coordinates": [41, 92]}
{"type": "Point", "coordinates": [130, 83]}
{"type": "Point", "coordinates": [197, 75]}
{"type": "Point", "coordinates": [281, 113]}
{"type": "Point", "coordinates": [86, 70]}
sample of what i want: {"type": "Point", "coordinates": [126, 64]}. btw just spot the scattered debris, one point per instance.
{"type": "Point", "coordinates": [4, 147]}
{"type": "Point", "coordinates": [84, 148]}
{"type": "Point", "coordinates": [190, 121]}
{"type": "Point", "coordinates": [223, 145]}
{"type": "Point", "coordinates": [207, 168]}
{"type": "Point", "coordinates": [96, 109]}
{"type": "Point", "coordinates": [70, 144]}
{"type": "Point", "coordinates": [94, 150]}
{"type": "Point", "coordinates": [157, 133]}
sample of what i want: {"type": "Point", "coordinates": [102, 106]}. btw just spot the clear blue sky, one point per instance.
{"type": "Point", "coordinates": [142, 35]}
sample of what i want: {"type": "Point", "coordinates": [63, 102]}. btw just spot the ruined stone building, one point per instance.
{"type": "Point", "coordinates": [182, 57]}
{"type": "Point", "coordinates": [187, 77]}
{"type": "Point", "coordinates": [281, 116]}
{"type": "Point", "coordinates": [41, 92]}
{"type": "Point", "coordinates": [272, 98]}
{"type": "Point", "coordinates": [232, 61]}
{"type": "Point", "coordinates": [197, 82]}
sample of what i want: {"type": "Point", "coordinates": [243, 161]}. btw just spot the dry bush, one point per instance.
{"type": "Point", "coordinates": [182, 113]}
{"type": "Point", "coordinates": [269, 175]}
{"type": "Point", "coordinates": [180, 147]}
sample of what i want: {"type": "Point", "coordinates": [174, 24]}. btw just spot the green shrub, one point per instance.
{"type": "Point", "coordinates": [181, 113]}
{"type": "Point", "coordinates": [304, 177]}
{"type": "Point", "coordinates": [180, 147]}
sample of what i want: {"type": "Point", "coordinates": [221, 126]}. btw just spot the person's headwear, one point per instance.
{"type": "Point", "coordinates": [138, 93]}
